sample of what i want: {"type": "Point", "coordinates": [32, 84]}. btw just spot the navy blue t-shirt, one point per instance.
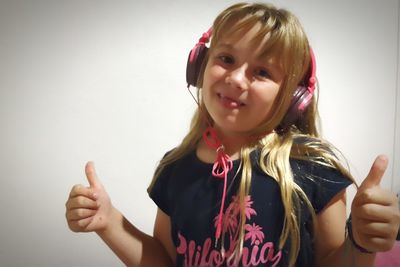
{"type": "Point", "coordinates": [191, 196]}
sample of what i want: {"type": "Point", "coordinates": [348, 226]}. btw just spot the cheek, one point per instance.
{"type": "Point", "coordinates": [206, 96]}
{"type": "Point", "coordinates": [265, 101]}
{"type": "Point", "coordinates": [213, 73]}
{"type": "Point", "coordinates": [267, 97]}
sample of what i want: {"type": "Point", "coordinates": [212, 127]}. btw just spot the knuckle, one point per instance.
{"type": "Point", "coordinates": [367, 210]}
{"type": "Point", "coordinates": [83, 213]}
{"type": "Point", "coordinates": [81, 224]}
{"type": "Point", "coordinates": [69, 204]}
{"type": "Point", "coordinates": [72, 227]}
{"type": "Point", "coordinates": [81, 201]}
{"type": "Point", "coordinates": [366, 195]}
{"type": "Point", "coordinates": [79, 213]}
{"type": "Point", "coordinates": [76, 188]}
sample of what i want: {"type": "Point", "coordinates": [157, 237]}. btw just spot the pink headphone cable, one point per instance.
{"type": "Point", "coordinates": [221, 168]}
{"type": "Point", "coordinates": [222, 165]}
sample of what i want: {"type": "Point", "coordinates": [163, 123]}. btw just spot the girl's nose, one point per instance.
{"type": "Point", "coordinates": [237, 78]}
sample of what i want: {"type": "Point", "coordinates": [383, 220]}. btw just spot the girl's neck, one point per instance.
{"type": "Point", "coordinates": [232, 144]}
{"type": "Point", "coordinates": [209, 155]}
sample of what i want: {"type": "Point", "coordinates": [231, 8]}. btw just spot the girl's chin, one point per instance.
{"type": "Point", "coordinates": [230, 129]}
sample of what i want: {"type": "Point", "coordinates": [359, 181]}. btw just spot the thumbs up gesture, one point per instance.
{"type": "Point", "coordinates": [88, 208]}
{"type": "Point", "coordinates": [375, 211]}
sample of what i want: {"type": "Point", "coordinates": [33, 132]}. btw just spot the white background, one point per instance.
{"type": "Point", "coordinates": [105, 81]}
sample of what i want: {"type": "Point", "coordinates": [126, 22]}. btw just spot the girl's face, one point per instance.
{"type": "Point", "coordinates": [239, 87]}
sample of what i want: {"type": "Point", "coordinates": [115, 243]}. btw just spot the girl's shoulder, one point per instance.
{"type": "Point", "coordinates": [318, 181]}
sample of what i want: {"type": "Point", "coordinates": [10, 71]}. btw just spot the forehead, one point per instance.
{"type": "Point", "coordinates": [249, 37]}
{"type": "Point", "coordinates": [252, 38]}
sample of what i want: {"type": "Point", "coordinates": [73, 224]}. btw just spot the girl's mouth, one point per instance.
{"type": "Point", "coordinates": [229, 102]}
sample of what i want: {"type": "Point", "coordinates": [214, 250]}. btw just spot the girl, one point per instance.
{"type": "Point", "coordinates": [252, 183]}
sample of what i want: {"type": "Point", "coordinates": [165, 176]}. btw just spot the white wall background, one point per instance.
{"type": "Point", "coordinates": [105, 81]}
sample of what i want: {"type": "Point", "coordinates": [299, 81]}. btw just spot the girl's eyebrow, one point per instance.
{"type": "Point", "coordinates": [224, 46]}
{"type": "Point", "coordinates": [262, 59]}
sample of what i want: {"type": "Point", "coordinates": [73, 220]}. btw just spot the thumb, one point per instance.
{"type": "Point", "coordinates": [91, 175]}
{"type": "Point", "coordinates": [376, 172]}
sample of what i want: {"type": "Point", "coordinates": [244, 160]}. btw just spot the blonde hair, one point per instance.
{"type": "Point", "coordinates": [288, 41]}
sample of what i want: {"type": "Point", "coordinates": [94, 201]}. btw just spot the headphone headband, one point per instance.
{"type": "Point", "coordinates": [313, 69]}
{"type": "Point", "coordinates": [204, 39]}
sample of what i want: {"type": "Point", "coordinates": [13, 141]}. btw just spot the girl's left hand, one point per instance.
{"type": "Point", "coordinates": [375, 211]}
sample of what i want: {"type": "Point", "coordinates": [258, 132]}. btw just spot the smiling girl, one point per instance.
{"type": "Point", "coordinates": [252, 183]}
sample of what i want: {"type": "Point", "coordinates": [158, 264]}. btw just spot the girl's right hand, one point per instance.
{"type": "Point", "coordinates": [88, 208]}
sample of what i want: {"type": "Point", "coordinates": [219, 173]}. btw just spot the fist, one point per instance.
{"type": "Point", "coordinates": [375, 211]}
{"type": "Point", "coordinates": [88, 208]}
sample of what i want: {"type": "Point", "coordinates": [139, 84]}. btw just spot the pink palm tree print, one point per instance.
{"type": "Point", "coordinates": [231, 215]}
{"type": "Point", "coordinates": [255, 233]}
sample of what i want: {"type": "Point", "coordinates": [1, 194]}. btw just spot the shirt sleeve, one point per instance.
{"type": "Point", "coordinates": [319, 182]}
{"type": "Point", "coordinates": [160, 191]}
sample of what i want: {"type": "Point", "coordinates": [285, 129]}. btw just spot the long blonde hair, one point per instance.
{"type": "Point", "coordinates": [288, 41]}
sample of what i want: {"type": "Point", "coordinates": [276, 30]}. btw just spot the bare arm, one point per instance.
{"type": "Point", "coordinates": [331, 247]}
{"type": "Point", "coordinates": [162, 232]}
{"type": "Point", "coordinates": [132, 246]}
{"type": "Point", "coordinates": [89, 209]}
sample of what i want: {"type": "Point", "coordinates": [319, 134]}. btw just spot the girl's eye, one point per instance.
{"type": "Point", "coordinates": [263, 73]}
{"type": "Point", "coordinates": [226, 59]}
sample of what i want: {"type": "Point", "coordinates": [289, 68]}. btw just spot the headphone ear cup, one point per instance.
{"type": "Point", "coordinates": [194, 63]}
{"type": "Point", "coordinates": [301, 99]}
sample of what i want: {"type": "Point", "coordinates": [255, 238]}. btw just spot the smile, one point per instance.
{"type": "Point", "coordinates": [229, 102]}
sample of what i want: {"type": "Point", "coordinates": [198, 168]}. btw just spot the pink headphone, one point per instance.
{"type": "Point", "coordinates": [301, 98]}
